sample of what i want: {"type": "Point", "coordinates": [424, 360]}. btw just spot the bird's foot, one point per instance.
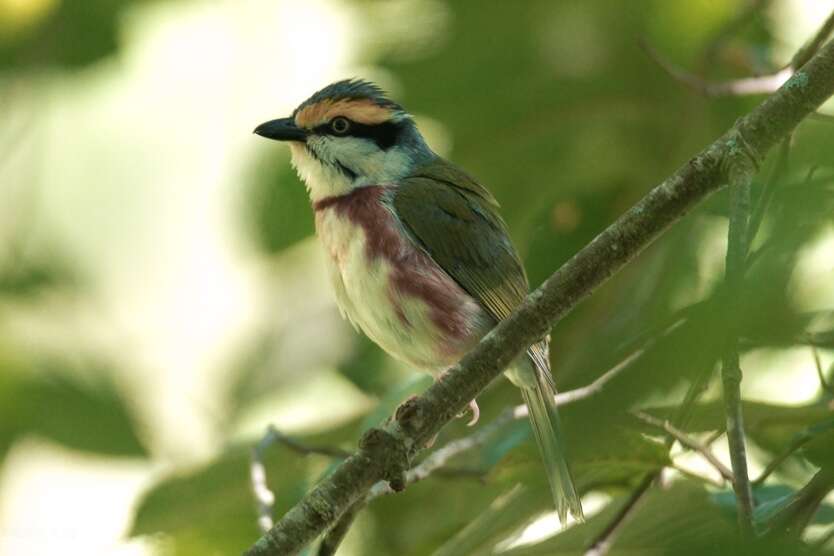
{"type": "Point", "coordinates": [476, 413]}
{"type": "Point", "coordinates": [406, 410]}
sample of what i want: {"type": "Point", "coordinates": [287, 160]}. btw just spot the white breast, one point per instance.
{"type": "Point", "coordinates": [399, 323]}
{"type": "Point", "coordinates": [363, 293]}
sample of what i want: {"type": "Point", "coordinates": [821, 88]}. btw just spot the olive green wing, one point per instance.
{"type": "Point", "coordinates": [455, 220]}
{"type": "Point", "coordinates": [444, 171]}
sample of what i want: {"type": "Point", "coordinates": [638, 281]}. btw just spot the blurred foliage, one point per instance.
{"type": "Point", "coordinates": [89, 417]}
{"type": "Point", "coordinates": [554, 108]}
{"type": "Point", "coordinates": [210, 510]}
{"type": "Point", "coordinates": [73, 403]}
{"type": "Point", "coordinates": [57, 33]}
{"type": "Point", "coordinates": [279, 210]}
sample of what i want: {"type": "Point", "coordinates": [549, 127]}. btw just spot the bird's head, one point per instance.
{"type": "Point", "coordinates": [348, 135]}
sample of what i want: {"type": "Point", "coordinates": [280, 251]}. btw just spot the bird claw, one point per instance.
{"type": "Point", "coordinates": [476, 413]}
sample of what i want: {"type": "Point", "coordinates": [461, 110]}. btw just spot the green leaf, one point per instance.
{"type": "Point", "coordinates": [819, 449]}
{"type": "Point", "coordinates": [625, 457]}
{"type": "Point", "coordinates": [367, 368]}
{"type": "Point", "coordinates": [57, 404]}
{"type": "Point", "coordinates": [210, 510]}
{"type": "Point", "coordinates": [433, 511]}
{"type": "Point", "coordinates": [677, 519]}
{"type": "Point", "coordinates": [279, 213]}
{"type": "Point", "coordinates": [770, 500]}
{"type": "Point", "coordinates": [504, 515]}
{"type": "Point", "coordinates": [503, 442]}
{"type": "Point", "coordinates": [23, 278]}
{"type": "Point", "coordinates": [67, 34]}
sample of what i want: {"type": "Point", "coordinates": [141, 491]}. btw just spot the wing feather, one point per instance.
{"type": "Point", "coordinates": [459, 227]}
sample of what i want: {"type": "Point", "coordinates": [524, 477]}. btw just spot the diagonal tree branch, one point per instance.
{"type": "Point", "coordinates": [434, 464]}
{"type": "Point", "coordinates": [385, 452]}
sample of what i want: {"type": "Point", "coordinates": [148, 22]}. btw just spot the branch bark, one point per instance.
{"type": "Point", "coordinates": [385, 452]}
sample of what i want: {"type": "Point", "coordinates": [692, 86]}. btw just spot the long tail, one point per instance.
{"type": "Point", "coordinates": [545, 421]}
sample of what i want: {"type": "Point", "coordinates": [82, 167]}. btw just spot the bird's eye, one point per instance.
{"type": "Point", "coordinates": [340, 125]}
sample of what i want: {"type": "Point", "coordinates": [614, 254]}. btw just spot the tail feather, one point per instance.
{"type": "Point", "coordinates": [545, 422]}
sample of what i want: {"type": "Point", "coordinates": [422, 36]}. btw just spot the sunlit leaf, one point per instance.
{"type": "Point", "coordinates": [211, 510]}
{"type": "Point", "coordinates": [503, 516]}
{"type": "Point", "coordinates": [678, 519]}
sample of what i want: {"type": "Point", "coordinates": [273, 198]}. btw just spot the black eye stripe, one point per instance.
{"type": "Point", "coordinates": [384, 135]}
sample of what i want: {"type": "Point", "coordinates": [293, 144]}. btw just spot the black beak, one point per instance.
{"type": "Point", "coordinates": [282, 129]}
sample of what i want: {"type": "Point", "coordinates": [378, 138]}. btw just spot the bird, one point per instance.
{"type": "Point", "coordinates": [418, 255]}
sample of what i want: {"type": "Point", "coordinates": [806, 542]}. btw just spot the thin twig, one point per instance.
{"type": "Point", "coordinates": [740, 174]}
{"type": "Point", "coordinates": [763, 84]}
{"type": "Point", "coordinates": [688, 442]}
{"type": "Point", "coordinates": [760, 85]}
{"type": "Point", "coordinates": [806, 52]}
{"type": "Point", "coordinates": [264, 497]}
{"type": "Point", "coordinates": [605, 540]}
{"type": "Point", "coordinates": [774, 464]}
{"type": "Point", "coordinates": [713, 436]}
{"type": "Point", "coordinates": [565, 398]}
{"type": "Point", "coordinates": [462, 472]}
{"type": "Point", "coordinates": [697, 476]}
{"type": "Point", "coordinates": [779, 169]}
{"type": "Point", "coordinates": [820, 373]}
{"type": "Point", "coordinates": [273, 435]}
